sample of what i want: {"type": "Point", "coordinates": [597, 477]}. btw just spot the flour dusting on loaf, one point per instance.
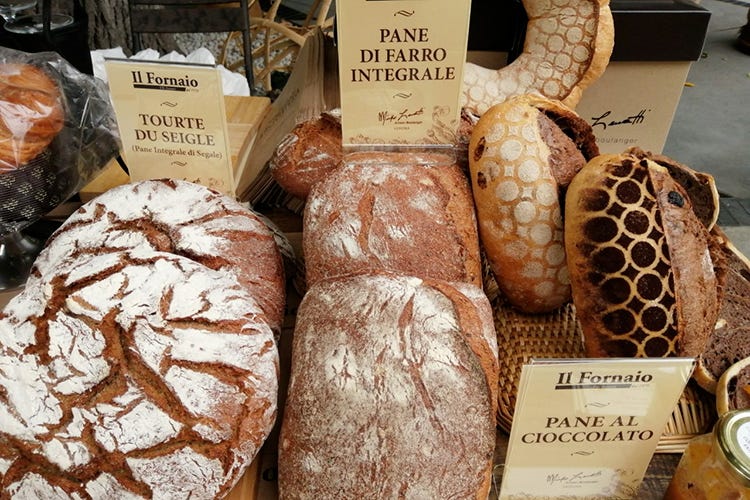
{"type": "Point", "coordinates": [410, 213]}
{"type": "Point", "coordinates": [387, 397]}
{"type": "Point", "coordinates": [181, 218]}
{"type": "Point", "coordinates": [133, 374]}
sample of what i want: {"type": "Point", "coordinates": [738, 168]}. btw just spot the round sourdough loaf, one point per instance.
{"type": "Point", "coordinates": [182, 218]}
{"type": "Point", "coordinates": [307, 154]}
{"type": "Point", "coordinates": [389, 395]}
{"type": "Point", "coordinates": [641, 271]}
{"type": "Point", "coordinates": [406, 212]}
{"type": "Point", "coordinates": [134, 374]}
{"type": "Point", "coordinates": [522, 155]}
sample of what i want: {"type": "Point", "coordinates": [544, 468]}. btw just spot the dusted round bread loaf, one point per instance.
{"type": "Point", "coordinates": [389, 396]}
{"type": "Point", "coordinates": [31, 113]}
{"type": "Point", "coordinates": [642, 275]}
{"type": "Point", "coordinates": [405, 212]}
{"type": "Point", "coordinates": [182, 218]}
{"type": "Point", "coordinates": [133, 374]}
{"type": "Point", "coordinates": [307, 154]}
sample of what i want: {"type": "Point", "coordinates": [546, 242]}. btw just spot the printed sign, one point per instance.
{"type": "Point", "coordinates": [400, 70]}
{"type": "Point", "coordinates": [588, 428]}
{"type": "Point", "coordinates": [172, 121]}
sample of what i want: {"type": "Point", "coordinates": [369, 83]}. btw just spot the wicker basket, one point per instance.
{"type": "Point", "coordinates": [558, 335]}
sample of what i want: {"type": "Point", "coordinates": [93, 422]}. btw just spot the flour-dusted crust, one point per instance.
{"type": "Point", "coordinates": [642, 275]}
{"type": "Point", "coordinates": [182, 218]}
{"type": "Point", "coordinates": [567, 47]}
{"type": "Point", "coordinates": [521, 160]}
{"type": "Point", "coordinates": [133, 374]}
{"type": "Point", "coordinates": [387, 397]}
{"type": "Point", "coordinates": [308, 154]}
{"type": "Point", "coordinates": [405, 212]}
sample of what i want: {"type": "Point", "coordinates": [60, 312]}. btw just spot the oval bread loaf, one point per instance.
{"type": "Point", "coordinates": [390, 395]}
{"type": "Point", "coordinates": [522, 155]}
{"type": "Point", "coordinates": [642, 276]}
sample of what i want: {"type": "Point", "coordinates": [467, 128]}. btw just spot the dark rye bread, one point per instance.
{"type": "Point", "coordinates": [406, 212]}
{"type": "Point", "coordinates": [307, 154]}
{"type": "Point", "coordinates": [641, 272]}
{"type": "Point", "coordinates": [522, 155]}
{"type": "Point", "coordinates": [134, 374]}
{"type": "Point", "coordinates": [388, 397]}
{"type": "Point", "coordinates": [185, 219]}
{"type": "Point", "coordinates": [729, 342]}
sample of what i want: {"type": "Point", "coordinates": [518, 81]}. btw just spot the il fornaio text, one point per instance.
{"type": "Point", "coordinates": [403, 54]}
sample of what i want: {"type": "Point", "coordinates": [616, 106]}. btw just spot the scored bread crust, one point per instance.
{"type": "Point", "coordinates": [183, 218]}
{"type": "Point", "coordinates": [642, 278]}
{"type": "Point", "coordinates": [405, 212]}
{"type": "Point", "coordinates": [519, 168]}
{"type": "Point", "coordinates": [567, 47]}
{"type": "Point", "coordinates": [387, 396]}
{"type": "Point", "coordinates": [133, 374]}
{"type": "Point", "coordinates": [31, 113]}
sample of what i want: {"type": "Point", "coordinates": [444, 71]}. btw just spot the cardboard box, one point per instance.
{"type": "Point", "coordinates": [634, 102]}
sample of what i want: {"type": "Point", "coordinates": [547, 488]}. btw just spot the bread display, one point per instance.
{"type": "Point", "coordinates": [182, 218]}
{"type": "Point", "coordinates": [132, 374]}
{"type": "Point", "coordinates": [522, 155]}
{"type": "Point", "coordinates": [388, 397]}
{"type": "Point", "coordinates": [642, 275]}
{"type": "Point", "coordinates": [567, 47]}
{"type": "Point", "coordinates": [406, 212]}
{"type": "Point", "coordinates": [32, 114]}
{"type": "Point", "coordinates": [307, 154]}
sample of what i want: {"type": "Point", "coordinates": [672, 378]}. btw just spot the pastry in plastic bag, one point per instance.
{"type": "Point", "coordinates": [31, 114]}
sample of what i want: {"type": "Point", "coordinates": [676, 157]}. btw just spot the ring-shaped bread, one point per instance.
{"type": "Point", "coordinates": [567, 47]}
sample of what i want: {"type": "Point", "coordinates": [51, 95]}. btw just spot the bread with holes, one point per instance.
{"type": "Point", "coordinates": [641, 272]}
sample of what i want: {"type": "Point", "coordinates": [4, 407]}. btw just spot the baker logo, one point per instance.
{"type": "Point", "coordinates": [150, 80]}
{"type": "Point", "coordinates": [590, 380]}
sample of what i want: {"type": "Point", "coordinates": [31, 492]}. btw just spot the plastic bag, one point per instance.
{"type": "Point", "coordinates": [77, 118]}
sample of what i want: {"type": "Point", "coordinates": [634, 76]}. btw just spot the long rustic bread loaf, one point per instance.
{"type": "Point", "coordinates": [642, 276]}
{"type": "Point", "coordinates": [185, 219]}
{"type": "Point", "coordinates": [406, 212]}
{"type": "Point", "coordinates": [388, 397]}
{"type": "Point", "coordinates": [132, 374]}
{"type": "Point", "coordinates": [522, 155]}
